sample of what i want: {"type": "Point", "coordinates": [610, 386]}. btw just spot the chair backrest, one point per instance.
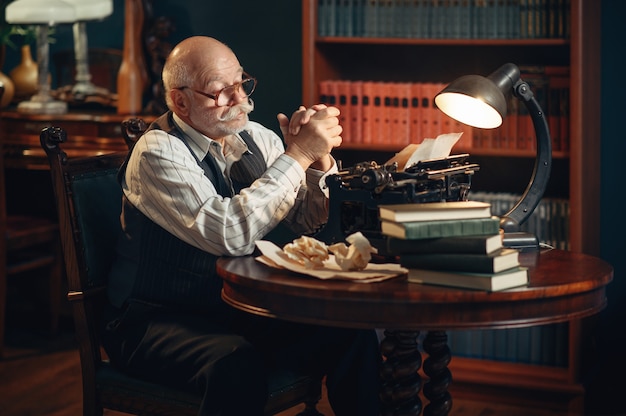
{"type": "Point", "coordinates": [132, 129]}
{"type": "Point", "coordinates": [88, 192]}
{"type": "Point", "coordinates": [88, 202]}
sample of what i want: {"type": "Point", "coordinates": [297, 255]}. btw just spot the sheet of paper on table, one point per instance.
{"type": "Point", "coordinates": [274, 256]}
{"type": "Point", "coordinates": [428, 149]}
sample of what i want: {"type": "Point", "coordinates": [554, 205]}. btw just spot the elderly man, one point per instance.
{"type": "Point", "coordinates": [204, 181]}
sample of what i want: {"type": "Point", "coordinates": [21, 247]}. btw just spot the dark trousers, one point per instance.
{"type": "Point", "coordinates": [225, 356]}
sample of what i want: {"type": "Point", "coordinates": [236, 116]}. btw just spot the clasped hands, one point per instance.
{"type": "Point", "coordinates": [311, 134]}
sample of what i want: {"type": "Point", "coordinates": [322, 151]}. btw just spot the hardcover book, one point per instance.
{"type": "Point", "coordinates": [356, 111]}
{"type": "Point", "coordinates": [443, 228]}
{"type": "Point", "coordinates": [415, 113]}
{"type": "Point", "coordinates": [431, 211]}
{"type": "Point", "coordinates": [496, 262]}
{"type": "Point", "coordinates": [345, 107]}
{"type": "Point", "coordinates": [477, 244]}
{"type": "Point", "coordinates": [479, 281]}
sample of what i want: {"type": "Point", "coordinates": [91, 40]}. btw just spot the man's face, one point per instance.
{"type": "Point", "coordinates": [230, 117]}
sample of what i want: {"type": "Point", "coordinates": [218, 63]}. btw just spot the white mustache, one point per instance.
{"type": "Point", "coordinates": [234, 111]}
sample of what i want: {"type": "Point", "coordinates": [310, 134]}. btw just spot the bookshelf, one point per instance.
{"type": "Point", "coordinates": [413, 56]}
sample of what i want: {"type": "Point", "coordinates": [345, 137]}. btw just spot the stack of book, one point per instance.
{"type": "Point", "coordinates": [451, 244]}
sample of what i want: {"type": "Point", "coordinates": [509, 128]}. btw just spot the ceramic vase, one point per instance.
{"type": "Point", "coordinates": [25, 75]}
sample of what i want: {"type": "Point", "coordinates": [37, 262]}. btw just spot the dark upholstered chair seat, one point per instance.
{"type": "Point", "coordinates": [129, 394]}
{"type": "Point", "coordinates": [123, 393]}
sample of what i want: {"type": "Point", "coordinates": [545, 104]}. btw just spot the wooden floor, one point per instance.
{"type": "Point", "coordinates": [40, 376]}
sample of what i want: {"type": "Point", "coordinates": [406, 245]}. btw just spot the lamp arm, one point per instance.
{"type": "Point", "coordinates": [512, 220]}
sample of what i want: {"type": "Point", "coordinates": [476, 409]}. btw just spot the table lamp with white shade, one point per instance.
{"type": "Point", "coordinates": [86, 10]}
{"type": "Point", "coordinates": [43, 13]}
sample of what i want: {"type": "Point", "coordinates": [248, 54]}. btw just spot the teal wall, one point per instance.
{"type": "Point", "coordinates": [265, 35]}
{"type": "Point", "coordinates": [613, 224]}
{"type": "Point", "coordinates": [611, 340]}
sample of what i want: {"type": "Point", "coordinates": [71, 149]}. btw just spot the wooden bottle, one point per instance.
{"type": "Point", "coordinates": [132, 75]}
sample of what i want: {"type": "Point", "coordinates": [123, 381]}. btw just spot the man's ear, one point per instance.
{"type": "Point", "coordinates": [180, 101]}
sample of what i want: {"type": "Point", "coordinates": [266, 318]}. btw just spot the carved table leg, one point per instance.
{"type": "Point", "coordinates": [401, 381]}
{"type": "Point", "coordinates": [440, 377]}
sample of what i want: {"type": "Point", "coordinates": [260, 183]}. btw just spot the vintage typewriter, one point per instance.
{"type": "Point", "coordinates": [355, 193]}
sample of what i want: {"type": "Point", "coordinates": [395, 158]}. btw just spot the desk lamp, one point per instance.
{"type": "Point", "coordinates": [85, 10]}
{"type": "Point", "coordinates": [481, 102]}
{"type": "Point", "coordinates": [43, 13]}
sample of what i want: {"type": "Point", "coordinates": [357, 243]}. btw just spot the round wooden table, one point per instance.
{"type": "Point", "coordinates": [562, 286]}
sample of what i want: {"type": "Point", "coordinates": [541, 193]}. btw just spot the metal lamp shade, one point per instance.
{"type": "Point", "coordinates": [479, 101]}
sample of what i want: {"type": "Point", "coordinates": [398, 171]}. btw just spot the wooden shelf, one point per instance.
{"type": "Point", "coordinates": [442, 60]}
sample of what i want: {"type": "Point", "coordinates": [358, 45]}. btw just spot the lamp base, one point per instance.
{"type": "Point", "coordinates": [42, 107]}
{"type": "Point", "coordinates": [83, 88]}
{"type": "Point", "coordinates": [520, 241]}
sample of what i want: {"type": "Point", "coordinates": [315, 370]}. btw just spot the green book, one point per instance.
{"type": "Point", "coordinates": [477, 244]}
{"type": "Point", "coordinates": [496, 262]}
{"type": "Point", "coordinates": [442, 228]}
{"type": "Point", "coordinates": [490, 282]}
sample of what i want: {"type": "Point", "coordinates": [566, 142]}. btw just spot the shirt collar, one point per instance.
{"type": "Point", "coordinates": [198, 142]}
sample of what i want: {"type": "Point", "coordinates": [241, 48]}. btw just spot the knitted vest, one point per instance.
{"type": "Point", "coordinates": [161, 269]}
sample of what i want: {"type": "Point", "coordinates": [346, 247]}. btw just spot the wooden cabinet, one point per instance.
{"type": "Point", "coordinates": [576, 169]}
{"type": "Point", "coordinates": [89, 133]}
{"type": "Point", "coordinates": [28, 185]}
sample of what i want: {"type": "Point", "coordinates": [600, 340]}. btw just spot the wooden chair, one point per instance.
{"type": "Point", "coordinates": [28, 244]}
{"type": "Point", "coordinates": [88, 203]}
{"type": "Point", "coordinates": [132, 129]}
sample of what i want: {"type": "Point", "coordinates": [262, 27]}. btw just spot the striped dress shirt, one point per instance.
{"type": "Point", "coordinates": [164, 181]}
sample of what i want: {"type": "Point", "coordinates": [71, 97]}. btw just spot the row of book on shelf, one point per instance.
{"type": "Point", "coordinates": [452, 19]}
{"type": "Point", "coordinates": [549, 221]}
{"type": "Point", "coordinates": [400, 113]}
{"type": "Point", "coordinates": [539, 345]}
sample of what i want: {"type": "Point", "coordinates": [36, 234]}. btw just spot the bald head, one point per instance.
{"type": "Point", "coordinates": [196, 61]}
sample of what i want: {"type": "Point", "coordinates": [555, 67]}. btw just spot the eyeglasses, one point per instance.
{"type": "Point", "coordinates": [224, 96]}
